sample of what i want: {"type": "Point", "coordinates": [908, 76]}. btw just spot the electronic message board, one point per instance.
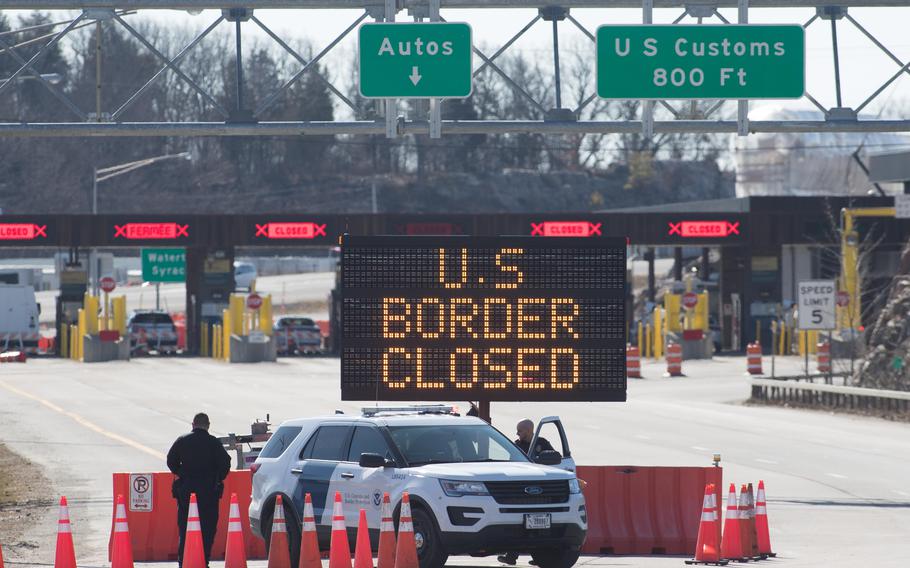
{"type": "Point", "coordinates": [483, 318]}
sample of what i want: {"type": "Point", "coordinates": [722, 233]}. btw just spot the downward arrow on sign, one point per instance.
{"type": "Point", "coordinates": [415, 75]}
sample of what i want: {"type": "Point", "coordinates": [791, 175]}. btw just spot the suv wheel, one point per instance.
{"type": "Point", "coordinates": [293, 534]}
{"type": "Point", "coordinates": [430, 552]}
{"type": "Point", "coordinates": [555, 558]}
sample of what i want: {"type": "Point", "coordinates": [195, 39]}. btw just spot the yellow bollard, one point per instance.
{"type": "Point", "coordinates": [672, 305]}
{"type": "Point", "coordinates": [658, 333]}
{"type": "Point", "coordinates": [265, 315]}
{"type": "Point", "coordinates": [118, 311]}
{"type": "Point", "coordinates": [228, 326]}
{"type": "Point", "coordinates": [80, 334]}
{"type": "Point", "coordinates": [63, 341]}
{"type": "Point", "coordinates": [90, 307]}
{"type": "Point", "coordinates": [648, 341]}
{"type": "Point", "coordinates": [641, 337]}
{"type": "Point", "coordinates": [234, 324]}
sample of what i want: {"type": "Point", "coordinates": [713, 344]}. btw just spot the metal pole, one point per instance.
{"type": "Point", "coordinates": [836, 61]}
{"type": "Point", "coordinates": [375, 208]}
{"type": "Point", "coordinates": [647, 109]}
{"type": "Point", "coordinates": [157, 295]}
{"type": "Point", "coordinates": [238, 46]}
{"type": "Point", "coordinates": [94, 191]}
{"type": "Point", "coordinates": [742, 107]}
{"type": "Point", "coordinates": [98, 70]}
{"type": "Point", "coordinates": [556, 63]}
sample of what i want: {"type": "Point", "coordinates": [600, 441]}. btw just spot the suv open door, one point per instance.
{"type": "Point", "coordinates": [549, 426]}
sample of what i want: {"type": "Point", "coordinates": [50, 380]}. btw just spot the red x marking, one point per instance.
{"type": "Point", "coordinates": [262, 230]}
{"type": "Point", "coordinates": [537, 229]}
{"type": "Point", "coordinates": [40, 231]}
{"type": "Point", "coordinates": [319, 230]}
{"type": "Point", "coordinates": [183, 230]}
{"type": "Point", "coordinates": [120, 231]}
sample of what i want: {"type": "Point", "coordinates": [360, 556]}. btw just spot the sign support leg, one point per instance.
{"type": "Point", "coordinates": [742, 110]}
{"type": "Point", "coordinates": [483, 411]}
{"type": "Point", "coordinates": [647, 107]}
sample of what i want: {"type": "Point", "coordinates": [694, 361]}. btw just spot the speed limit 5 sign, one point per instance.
{"type": "Point", "coordinates": [817, 299]}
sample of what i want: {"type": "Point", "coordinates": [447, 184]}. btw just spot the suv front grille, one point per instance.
{"type": "Point", "coordinates": [529, 492]}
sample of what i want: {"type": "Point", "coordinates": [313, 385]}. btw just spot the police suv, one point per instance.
{"type": "Point", "coordinates": [472, 490]}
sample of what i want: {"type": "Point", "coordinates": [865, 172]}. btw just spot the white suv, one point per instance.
{"type": "Point", "coordinates": [472, 490]}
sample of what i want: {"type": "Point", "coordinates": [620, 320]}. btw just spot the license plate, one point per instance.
{"type": "Point", "coordinates": [537, 521]}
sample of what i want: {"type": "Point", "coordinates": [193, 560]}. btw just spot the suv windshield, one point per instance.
{"type": "Point", "coordinates": [422, 445]}
{"type": "Point", "coordinates": [152, 318]}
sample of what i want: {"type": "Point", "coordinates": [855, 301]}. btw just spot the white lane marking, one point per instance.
{"type": "Point", "coordinates": [903, 493]}
{"type": "Point", "coordinates": [82, 421]}
{"type": "Point", "coordinates": [836, 475]}
{"type": "Point", "coordinates": [762, 460]}
{"type": "Point", "coordinates": [642, 437]}
{"type": "Point", "coordinates": [700, 449]}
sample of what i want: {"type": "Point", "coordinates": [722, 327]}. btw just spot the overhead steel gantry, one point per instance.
{"type": "Point", "coordinates": [245, 120]}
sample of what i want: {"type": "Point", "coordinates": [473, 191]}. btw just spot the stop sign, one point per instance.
{"type": "Point", "coordinates": [689, 300]}
{"type": "Point", "coordinates": [254, 301]}
{"type": "Point", "coordinates": [843, 298]}
{"type": "Point", "coordinates": [108, 284]}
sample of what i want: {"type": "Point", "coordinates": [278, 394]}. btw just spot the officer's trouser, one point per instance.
{"type": "Point", "coordinates": [208, 520]}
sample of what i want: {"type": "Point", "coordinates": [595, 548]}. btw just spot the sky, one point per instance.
{"type": "Point", "coordinates": [863, 66]}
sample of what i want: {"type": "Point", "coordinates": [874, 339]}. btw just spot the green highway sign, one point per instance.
{"type": "Point", "coordinates": [701, 61]}
{"type": "Point", "coordinates": [164, 265]}
{"type": "Point", "coordinates": [420, 60]}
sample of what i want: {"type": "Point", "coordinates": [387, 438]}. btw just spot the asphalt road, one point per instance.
{"type": "Point", "coordinates": [837, 485]}
{"type": "Point", "coordinates": [285, 289]}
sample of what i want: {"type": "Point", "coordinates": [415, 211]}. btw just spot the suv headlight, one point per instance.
{"type": "Point", "coordinates": [574, 486]}
{"type": "Point", "coordinates": [454, 488]}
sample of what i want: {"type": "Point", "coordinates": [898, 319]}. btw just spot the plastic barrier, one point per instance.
{"type": "Point", "coordinates": [645, 510]}
{"type": "Point", "coordinates": [753, 358]}
{"type": "Point", "coordinates": [633, 362]}
{"type": "Point", "coordinates": [674, 361]}
{"type": "Point", "coordinates": [153, 530]}
{"type": "Point", "coordinates": [823, 357]}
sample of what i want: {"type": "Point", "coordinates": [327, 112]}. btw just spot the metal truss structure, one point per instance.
{"type": "Point", "coordinates": [245, 121]}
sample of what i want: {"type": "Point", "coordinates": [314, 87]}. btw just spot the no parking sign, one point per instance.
{"type": "Point", "coordinates": [141, 488]}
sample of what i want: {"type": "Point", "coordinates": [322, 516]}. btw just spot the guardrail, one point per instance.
{"type": "Point", "coordinates": [830, 396]}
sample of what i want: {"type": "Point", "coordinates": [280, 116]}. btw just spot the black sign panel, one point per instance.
{"type": "Point", "coordinates": [497, 318]}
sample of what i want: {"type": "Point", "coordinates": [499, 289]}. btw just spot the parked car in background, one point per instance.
{"type": "Point", "coordinates": [297, 335]}
{"type": "Point", "coordinates": [152, 331]}
{"type": "Point", "coordinates": [244, 275]}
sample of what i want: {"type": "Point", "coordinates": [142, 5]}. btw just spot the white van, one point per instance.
{"type": "Point", "coordinates": [18, 318]}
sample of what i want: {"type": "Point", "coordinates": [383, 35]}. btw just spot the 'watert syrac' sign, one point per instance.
{"type": "Point", "coordinates": [421, 60]}
{"type": "Point", "coordinates": [697, 62]}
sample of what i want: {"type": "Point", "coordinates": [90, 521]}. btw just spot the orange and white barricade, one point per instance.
{"type": "Point", "coordinates": [823, 357]}
{"type": "Point", "coordinates": [674, 360]}
{"type": "Point", "coordinates": [633, 362]}
{"type": "Point", "coordinates": [753, 358]}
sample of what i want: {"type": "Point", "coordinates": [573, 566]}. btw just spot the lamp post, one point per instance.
{"type": "Point", "coordinates": [104, 174]}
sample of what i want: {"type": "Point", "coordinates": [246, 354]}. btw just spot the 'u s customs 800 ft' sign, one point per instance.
{"type": "Point", "coordinates": [698, 62]}
{"type": "Point", "coordinates": [473, 318]}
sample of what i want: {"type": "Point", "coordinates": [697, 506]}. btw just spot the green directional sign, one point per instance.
{"type": "Point", "coordinates": [701, 62]}
{"type": "Point", "coordinates": [420, 60]}
{"type": "Point", "coordinates": [164, 265]}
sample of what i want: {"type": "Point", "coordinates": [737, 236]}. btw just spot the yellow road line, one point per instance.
{"type": "Point", "coordinates": [86, 423]}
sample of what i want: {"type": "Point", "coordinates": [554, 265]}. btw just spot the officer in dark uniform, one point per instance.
{"type": "Point", "coordinates": [525, 432]}
{"type": "Point", "coordinates": [200, 464]}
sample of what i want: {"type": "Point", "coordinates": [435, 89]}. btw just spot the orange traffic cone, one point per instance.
{"type": "Point", "coordinates": [386, 535]}
{"type": "Point", "coordinates": [406, 552]}
{"type": "Point", "coordinates": [745, 531]}
{"type": "Point", "coordinates": [340, 551]}
{"type": "Point", "coordinates": [235, 549]}
{"type": "Point", "coordinates": [731, 544]}
{"type": "Point", "coordinates": [66, 555]}
{"type": "Point", "coordinates": [363, 555]}
{"type": "Point", "coordinates": [761, 523]}
{"type": "Point", "coordinates": [309, 543]}
{"type": "Point", "coordinates": [193, 552]}
{"type": "Point", "coordinates": [707, 550]}
{"type": "Point", "coordinates": [279, 554]}
{"type": "Point", "coordinates": [753, 531]}
{"type": "Point", "coordinates": [122, 549]}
